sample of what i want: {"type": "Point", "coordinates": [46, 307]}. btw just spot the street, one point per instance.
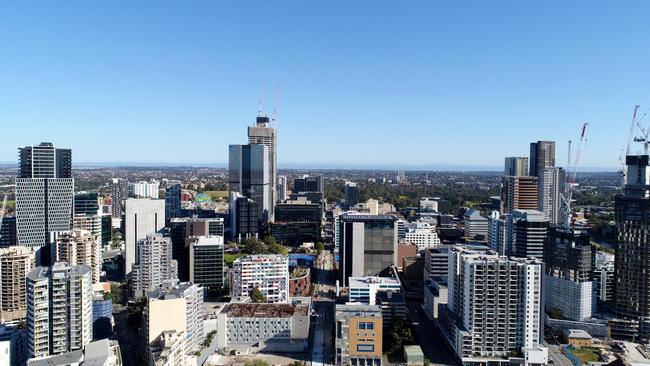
{"type": "Point", "coordinates": [322, 342]}
{"type": "Point", "coordinates": [428, 338]}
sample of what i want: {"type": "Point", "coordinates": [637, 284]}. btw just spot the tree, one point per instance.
{"type": "Point", "coordinates": [320, 247]}
{"type": "Point", "coordinates": [399, 334]}
{"type": "Point", "coordinates": [257, 362]}
{"type": "Point", "coordinates": [278, 249]}
{"type": "Point", "coordinates": [255, 246]}
{"type": "Point", "coordinates": [257, 295]}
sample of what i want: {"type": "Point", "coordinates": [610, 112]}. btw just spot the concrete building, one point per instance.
{"type": "Point", "coordinates": [250, 175]}
{"type": "Point", "coordinates": [435, 294]}
{"type": "Point", "coordinates": [299, 281]}
{"type": "Point", "coordinates": [358, 335]}
{"type": "Point", "coordinates": [168, 349]}
{"type": "Point", "coordinates": [568, 278]}
{"type": "Point", "coordinates": [494, 308]}
{"type": "Point", "coordinates": [59, 309]}
{"type": "Point", "coordinates": [423, 235]}
{"type": "Point", "coordinates": [44, 194]}
{"type": "Point", "coordinates": [363, 290]}
{"type": "Point", "coordinates": [91, 223]}
{"type": "Point", "coordinates": [476, 225]}
{"type": "Point", "coordinates": [603, 279]}
{"type": "Point", "coordinates": [519, 193]}
{"type": "Point", "coordinates": [632, 259]}
{"type": "Point", "coordinates": [98, 353]}
{"type": "Point", "coordinates": [142, 217]}
{"type": "Point", "coordinates": [183, 232]}
{"type": "Point", "coordinates": [516, 166]}
{"type": "Point", "coordinates": [207, 262]}
{"type": "Point", "coordinates": [154, 264]}
{"type": "Point", "coordinates": [251, 328]}
{"type": "Point", "coordinates": [263, 134]}
{"type": "Point", "coordinates": [367, 245]}
{"type": "Point", "coordinates": [144, 189]}
{"type": "Point", "coordinates": [119, 193]}
{"type": "Point", "coordinates": [542, 156]}
{"type": "Point", "coordinates": [187, 299]}
{"type": "Point", "coordinates": [79, 247]}
{"type": "Point", "coordinates": [551, 188]}
{"type": "Point", "coordinates": [499, 235]}
{"type": "Point", "coordinates": [282, 188]}
{"type": "Point", "coordinates": [436, 262]}
{"type": "Point", "coordinates": [15, 264]}
{"type": "Point", "coordinates": [527, 233]}
{"type": "Point", "coordinates": [268, 273]}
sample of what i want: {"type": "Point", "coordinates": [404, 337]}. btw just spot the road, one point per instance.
{"type": "Point", "coordinates": [322, 342]}
{"type": "Point", "coordinates": [428, 338]}
{"type": "Point", "coordinates": [556, 355]}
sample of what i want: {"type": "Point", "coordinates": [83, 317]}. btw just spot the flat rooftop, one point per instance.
{"type": "Point", "coordinates": [372, 280]}
{"type": "Point", "coordinates": [251, 310]}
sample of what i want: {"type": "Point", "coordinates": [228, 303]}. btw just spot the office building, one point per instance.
{"type": "Point", "coordinates": [183, 231]}
{"type": "Point", "coordinates": [79, 247]}
{"type": "Point", "coordinates": [351, 194]}
{"type": "Point", "coordinates": [494, 308]}
{"type": "Point", "coordinates": [358, 335]}
{"type": "Point", "coordinates": [528, 233]}
{"type": "Point", "coordinates": [435, 294]}
{"type": "Point", "coordinates": [119, 193]}
{"type": "Point", "coordinates": [144, 189]}
{"type": "Point", "coordinates": [568, 265]}
{"type": "Point", "coordinates": [107, 230]}
{"type": "Point", "coordinates": [282, 188]}
{"type": "Point", "coordinates": [476, 225]}
{"type": "Point", "coordinates": [268, 273]}
{"type": "Point", "coordinates": [519, 193]}
{"type": "Point", "coordinates": [142, 217]}
{"type": "Point", "coordinates": [59, 309]}
{"type": "Point", "coordinates": [542, 156]}
{"type": "Point", "coordinates": [249, 174]}
{"type": "Point", "coordinates": [278, 327]}
{"type": "Point", "coordinates": [86, 203]}
{"type": "Point", "coordinates": [244, 219]}
{"type": "Point", "coordinates": [187, 299]}
{"type": "Point", "coordinates": [154, 264]}
{"type": "Point", "coordinates": [15, 264]}
{"type": "Point", "coordinates": [8, 232]}
{"type": "Point", "coordinates": [632, 259]}
{"type": "Point", "coordinates": [206, 262]}
{"type": "Point", "coordinates": [603, 279]}
{"type": "Point", "coordinates": [173, 192]}
{"type": "Point", "coordinates": [436, 262]}
{"type": "Point", "coordinates": [296, 233]}
{"type": "Point", "coordinates": [551, 189]}
{"type": "Point", "coordinates": [516, 166]}
{"type": "Point", "coordinates": [364, 290]}
{"type": "Point", "coordinates": [367, 245]}
{"type": "Point", "coordinates": [263, 134]}
{"type": "Point", "coordinates": [422, 234]}
{"type": "Point", "coordinates": [167, 349]}
{"type": "Point", "coordinates": [308, 183]}
{"type": "Point", "coordinates": [44, 194]}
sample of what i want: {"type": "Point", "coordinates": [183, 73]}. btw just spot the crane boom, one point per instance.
{"type": "Point", "coordinates": [570, 178]}
{"type": "Point", "coordinates": [629, 138]}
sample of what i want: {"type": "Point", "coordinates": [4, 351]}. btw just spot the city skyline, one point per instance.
{"type": "Point", "coordinates": [458, 87]}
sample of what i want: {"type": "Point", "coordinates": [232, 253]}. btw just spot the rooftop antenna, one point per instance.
{"type": "Point", "coordinates": [259, 110]}
{"type": "Point", "coordinates": [277, 102]}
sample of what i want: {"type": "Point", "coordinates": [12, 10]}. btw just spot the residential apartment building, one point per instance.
{"type": "Point", "coordinates": [268, 273]}
{"type": "Point", "coordinates": [144, 189]}
{"type": "Point", "coordinates": [519, 193]}
{"type": "Point", "coordinates": [551, 190]}
{"type": "Point", "coordinates": [15, 264]}
{"type": "Point", "coordinates": [516, 166]}
{"type": "Point", "coordinates": [77, 247]}
{"type": "Point", "coordinates": [358, 335]}
{"type": "Point", "coordinates": [423, 235]}
{"type": "Point", "coordinates": [542, 156]}
{"type": "Point", "coordinates": [154, 264]}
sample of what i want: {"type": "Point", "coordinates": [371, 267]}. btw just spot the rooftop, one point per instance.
{"type": "Point", "coordinates": [253, 310]}
{"type": "Point", "coordinates": [369, 280]}
{"type": "Point", "coordinates": [576, 333]}
{"type": "Point", "coordinates": [360, 217]}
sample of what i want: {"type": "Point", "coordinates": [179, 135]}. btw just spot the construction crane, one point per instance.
{"type": "Point", "coordinates": [275, 107]}
{"type": "Point", "coordinates": [570, 178]}
{"type": "Point", "coordinates": [644, 133]}
{"type": "Point", "coordinates": [632, 124]}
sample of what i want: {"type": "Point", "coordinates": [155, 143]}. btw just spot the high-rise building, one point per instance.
{"type": "Point", "coordinates": [173, 199]}
{"type": "Point", "coordinates": [44, 195]}
{"type": "Point", "coordinates": [351, 194]}
{"type": "Point", "coordinates": [367, 245]}
{"type": "Point", "coordinates": [244, 219]}
{"type": "Point", "coordinates": [249, 175]}
{"type": "Point", "coordinates": [551, 189]}
{"type": "Point", "coordinates": [154, 264]}
{"type": "Point", "coordinates": [359, 335]}
{"type": "Point", "coordinates": [268, 273]}
{"type": "Point", "coordinates": [516, 166]}
{"type": "Point", "coordinates": [8, 232]}
{"type": "Point", "coordinates": [142, 217]}
{"type": "Point", "coordinates": [282, 188]}
{"type": "Point", "coordinates": [15, 264]}
{"type": "Point", "coordinates": [92, 223]}
{"type": "Point", "coordinates": [542, 156]}
{"type": "Point", "coordinates": [568, 266]}
{"type": "Point", "coordinates": [206, 262]}
{"type": "Point", "coordinates": [632, 259]}
{"type": "Point", "coordinates": [519, 193]}
{"type": "Point", "coordinates": [183, 231]}
{"type": "Point", "coordinates": [144, 189]}
{"type": "Point", "coordinates": [308, 183]}
{"type": "Point", "coordinates": [603, 279]}
{"type": "Point", "coordinates": [79, 247]}
{"type": "Point", "coordinates": [422, 234]}
{"type": "Point", "coordinates": [263, 134]}
{"type": "Point", "coordinates": [494, 308]}
{"type": "Point", "coordinates": [476, 225]}
{"type": "Point", "coordinates": [86, 203]}
{"type": "Point", "coordinates": [187, 299]}
{"type": "Point", "coordinates": [499, 235]}
{"type": "Point", "coordinates": [527, 234]}
{"type": "Point", "coordinates": [59, 309]}
{"type": "Point", "coordinates": [119, 193]}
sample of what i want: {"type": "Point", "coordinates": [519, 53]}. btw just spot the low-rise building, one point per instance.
{"type": "Point", "coordinates": [577, 338]}
{"type": "Point", "coordinates": [358, 335]}
{"type": "Point", "coordinates": [423, 235]}
{"type": "Point", "coordinates": [300, 282]}
{"type": "Point", "coordinates": [476, 225]}
{"type": "Point", "coordinates": [98, 353]}
{"type": "Point", "coordinates": [363, 290]}
{"type": "Point", "coordinates": [254, 327]}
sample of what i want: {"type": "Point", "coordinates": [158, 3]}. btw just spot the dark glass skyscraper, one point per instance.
{"type": "Point", "coordinates": [542, 156]}
{"type": "Point", "coordinates": [249, 175]}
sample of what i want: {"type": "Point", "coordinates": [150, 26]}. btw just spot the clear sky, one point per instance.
{"type": "Point", "coordinates": [367, 82]}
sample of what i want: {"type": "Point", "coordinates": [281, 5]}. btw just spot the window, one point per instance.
{"type": "Point", "coordinates": [361, 325]}
{"type": "Point", "coordinates": [365, 348]}
{"type": "Point", "coordinates": [370, 326]}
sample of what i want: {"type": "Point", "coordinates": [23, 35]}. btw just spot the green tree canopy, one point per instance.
{"type": "Point", "coordinates": [257, 296]}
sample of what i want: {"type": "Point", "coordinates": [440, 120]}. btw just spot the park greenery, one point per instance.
{"type": "Point", "coordinates": [399, 333]}
{"type": "Point", "coordinates": [268, 245]}
{"type": "Point", "coordinates": [257, 362]}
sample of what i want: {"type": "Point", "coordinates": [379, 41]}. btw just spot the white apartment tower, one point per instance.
{"type": "Point", "coordinates": [154, 264]}
{"type": "Point", "coordinates": [59, 309]}
{"type": "Point", "coordinates": [142, 217]}
{"type": "Point", "coordinates": [551, 188]}
{"type": "Point", "coordinates": [268, 273]}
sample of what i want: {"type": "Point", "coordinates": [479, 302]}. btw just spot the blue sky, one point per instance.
{"type": "Point", "coordinates": [365, 82]}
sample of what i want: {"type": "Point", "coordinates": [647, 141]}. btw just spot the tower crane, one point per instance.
{"type": "Point", "coordinates": [570, 178]}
